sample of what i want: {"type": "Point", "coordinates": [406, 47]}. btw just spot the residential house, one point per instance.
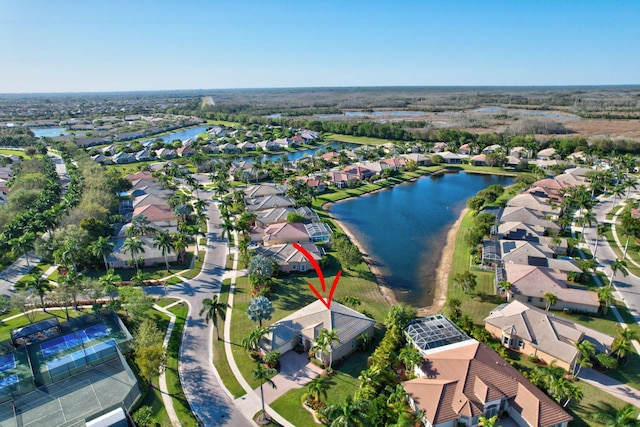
{"type": "Point", "coordinates": [331, 157]}
{"type": "Point", "coordinates": [341, 179]}
{"type": "Point", "coordinates": [302, 328]}
{"type": "Point", "coordinates": [246, 146]}
{"type": "Point", "coordinates": [120, 258]}
{"type": "Point", "coordinates": [261, 190]}
{"type": "Point", "coordinates": [186, 151]}
{"type": "Point", "coordinates": [530, 217]}
{"type": "Point", "coordinates": [545, 193]}
{"type": "Point", "coordinates": [531, 331]}
{"type": "Point", "coordinates": [574, 177]}
{"type": "Point", "coordinates": [228, 148]}
{"type": "Point", "coordinates": [529, 284]}
{"type": "Point", "coordinates": [519, 152]}
{"type": "Point", "coordinates": [159, 216]}
{"type": "Point", "coordinates": [464, 150]}
{"type": "Point", "coordinates": [462, 382]}
{"type": "Point", "coordinates": [535, 254]}
{"type": "Point", "coordinates": [530, 233]}
{"type": "Point", "coordinates": [397, 163]}
{"type": "Point", "coordinates": [440, 147]}
{"type": "Point", "coordinates": [478, 160]}
{"type": "Point", "coordinates": [419, 158]}
{"type": "Point", "coordinates": [123, 158]}
{"type": "Point", "coordinates": [546, 154]}
{"type": "Point", "coordinates": [309, 135]}
{"type": "Point", "coordinates": [269, 202]}
{"type": "Point", "coordinates": [534, 203]}
{"type": "Point", "coordinates": [144, 155]}
{"type": "Point", "coordinates": [291, 259]}
{"type": "Point", "coordinates": [103, 160]}
{"type": "Point", "coordinates": [166, 153]}
{"type": "Point", "coordinates": [277, 234]}
{"type": "Point", "coordinates": [360, 172]}
{"type": "Point", "coordinates": [451, 158]}
{"type": "Point", "coordinates": [283, 143]}
{"type": "Point", "coordinates": [273, 216]}
{"type": "Point", "coordinates": [140, 175]}
{"type": "Point", "coordinates": [492, 149]}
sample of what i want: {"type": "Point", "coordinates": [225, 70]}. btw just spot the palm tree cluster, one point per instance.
{"type": "Point", "coordinates": [552, 379]}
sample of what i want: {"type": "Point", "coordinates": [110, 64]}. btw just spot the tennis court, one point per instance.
{"type": "Point", "coordinates": [59, 344]}
{"type": "Point", "coordinates": [79, 358]}
{"type": "Point", "coordinates": [8, 361]}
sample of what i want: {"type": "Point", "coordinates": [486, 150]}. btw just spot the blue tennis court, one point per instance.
{"type": "Point", "coordinates": [8, 361]}
{"type": "Point", "coordinates": [79, 357]}
{"type": "Point", "coordinates": [59, 344]}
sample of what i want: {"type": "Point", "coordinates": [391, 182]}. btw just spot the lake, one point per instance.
{"type": "Point", "coordinates": [49, 132]}
{"type": "Point", "coordinates": [404, 229]}
{"type": "Point", "coordinates": [295, 155]}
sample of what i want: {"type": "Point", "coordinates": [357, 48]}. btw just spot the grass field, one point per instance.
{"type": "Point", "coordinates": [356, 139]}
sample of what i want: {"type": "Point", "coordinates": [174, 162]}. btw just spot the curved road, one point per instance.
{"type": "Point", "coordinates": [208, 400]}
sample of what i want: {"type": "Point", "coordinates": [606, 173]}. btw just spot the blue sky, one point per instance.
{"type": "Point", "coordinates": [63, 45]}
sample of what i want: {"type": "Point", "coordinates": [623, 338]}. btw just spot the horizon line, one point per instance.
{"type": "Point", "coordinates": [532, 86]}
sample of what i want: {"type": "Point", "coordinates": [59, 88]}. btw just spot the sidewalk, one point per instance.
{"type": "Point", "coordinates": [162, 380]}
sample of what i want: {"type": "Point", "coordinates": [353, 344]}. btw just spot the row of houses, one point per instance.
{"type": "Point", "coordinates": [6, 173]}
{"type": "Point", "coordinates": [525, 254]}
{"type": "Point", "coordinates": [146, 200]}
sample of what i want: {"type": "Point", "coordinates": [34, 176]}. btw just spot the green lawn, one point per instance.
{"type": "Point", "coordinates": [356, 139]}
{"type": "Point", "coordinates": [9, 152]}
{"type": "Point", "coordinates": [180, 404]}
{"type": "Point", "coordinates": [6, 326]}
{"type": "Point", "coordinates": [219, 355]}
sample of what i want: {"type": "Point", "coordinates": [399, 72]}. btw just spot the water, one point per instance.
{"type": "Point", "coordinates": [295, 155]}
{"type": "Point", "coordinates": [404, 229]}
{"type": "Point", "coordinates": [49, 132]}
{"type": "Point", "coordinates": [182, 135]}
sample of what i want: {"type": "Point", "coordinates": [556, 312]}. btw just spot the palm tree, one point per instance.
{"type": "Point", "coordinates": [347, 414]}
{"type": "Point", "coordinates": [551, 299]}
{"type": "Point", "coordinates": [38, 285]}
{"type": "Point", "coordinates": [410, 357]}
{"type": "Point", "coordinates": [134, 246]}
{"type": "Point", "coordinates": [180, 245]}
{"type": "Point", "coordinates": [226, 230]}
{"type": "Point", "coordinates": [586, 350]}
{"type": "Point", "coordinates": [263, 375]}
{"type": "Point", "coordinates": [317, 389]}
{"type": "Point", "coordinates": [623, 342]}
{"type": "Point", "coordinates": [71, 284]}
{"type": "Point", "coordinates": [600, 230]}
{"type": "Point", "coordinates": [618, 191]}
{"type": "Point", "coordinates": [102, 247]}
{"type": "Point", "coordinates": [605, 296]}
{"type": "Point", "coordinates": [140, 226]}
{"type": "Point", "coordinates": [625, 417]}
{"type": "Point", "coordinates": [109, 281]}
{"type": "Point", "coordinates": [618, 265]}
{"type": "Point", "coordinates": [24, 244]}
{"type": "Point", "coordinates": [587, 218]}
{"type": "Point", "coordinates": [214, 310]}
{"type": "Point", "coordinates": [325, 340]}
{"type": "Point", "coordinates": [252, 341]}
{"type": "Point", "coordinates": [164, 242]}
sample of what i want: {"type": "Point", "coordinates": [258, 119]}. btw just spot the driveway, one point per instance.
{"type": "Point", "coordinates": [611, 386]}
{"type": "Point", "coordinates": [295, 372]}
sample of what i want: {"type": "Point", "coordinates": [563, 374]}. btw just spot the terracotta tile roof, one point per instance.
{"type": "Point", "coordinates": [139, 175]}
{"type": "Point", "coordinates": [461, 380]}
{"type": "Point", "coordinates": [155, 212]}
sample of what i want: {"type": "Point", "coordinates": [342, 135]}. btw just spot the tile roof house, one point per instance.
{"type": "Point", "coordinates": [546, 154]}
{"type": "Point", "coordinates": [534, 203]}
{"type": "Point", "coordinates": [464, 150]}
{"type": "Point", "coordinates": [530, 283]}
{"type": "Point", "coordinates": [419, 158]}
{"type": "Point", "coordinates": [439, 147]}
{"type": "Point", "coordinates": [530, 233]}
{"type": "Point", "coordinates": [120, 258]}
{"type": "Point", "coordinates": [519, 152]}
{"type": "Point", "coordinates": [479, 160]}
{"type": "Point", "coordinates": [451, 158]}
{"type": "Point", "coordinates": [269, 202]}
{"type": "Point", "coordinates": [460, 383]}
{"type": "Point", "coordinates": [536, 254]}
{"type": "Point", "coordinates": [531, 331]}
{"type": "Point", "coordinates": [289, 258]}
{"type": "Point", "coordinates": [261, 190]}
{"type": "Point", "coordinates": [528, 216]}
{"type": "Point", "coordinates": [158, 215]}
{"type": "Point", "coordinates": [303, 326]}
{"type": "Point", "coordinates": [273, 215]}
{"type": "Point", "coordinates": [276, 234]}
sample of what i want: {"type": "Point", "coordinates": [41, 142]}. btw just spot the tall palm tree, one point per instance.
{"type": "Point", "coordinates": [180, 245]}
{"type": "Point", "coordinates": [102, 247]}
{"type": "Point", "coordinates": [587, 218]}
{"type": "Point", "coordinates": [410, 357]}
{"type": "Point", "coordinates": [24, 244]}
{"type": "Point", "coordinates": [605, 296]}
{"type": "Point", "coordinates": [164, 242]}
{"type": "Point", "coordinates": [325, 340]}
{"type": "Point", "coordinates": [214, 309]}
{"type": "Point", "coordinates": [109, 282]}
{"type": "Point", "coordinates": [600, 230]}
{"type": "Point", "coordinates": [318, 388]}
{"type": "Point", "coordinates": [625, 417]}
{"type": "Point", "coordinates": [263, 375]}
{"type": "Point", "coordinates": [226, 231]}
{"type": "Point", "coordinates": [134, 246]}
{"type": "Point", "coordinates": [551, 299]}
{"type": "Point", "coordinates": [586, 350]}
{"type": "Point", "coordinates": [39, 285]}
{"type": "Point", "coordinates": [252, 341]}
{"type": "Point", "coordinates": [618, 265]}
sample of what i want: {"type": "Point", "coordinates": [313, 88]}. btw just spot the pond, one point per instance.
{"type": "Point", "coordinates": [404, 229]}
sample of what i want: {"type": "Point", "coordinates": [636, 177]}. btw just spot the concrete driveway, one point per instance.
{"type": "Point", "coordinates": [295, 371]}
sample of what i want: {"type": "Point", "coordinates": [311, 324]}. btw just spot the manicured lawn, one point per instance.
{"type": "Point", "coordinates": [180, 404]}
{"type": "Point", "coordinates": [9, 152]}
{"type": "Point", "coordinates": [6, 326]}
{"type": "Point", "coordinates": [633, 250]}
{"type": "Point", "coordinates": [163, 302]}
{"type": "Point", "coordinates": [356, 139]}
{"type": "Point", "coordinates": [220, 357]}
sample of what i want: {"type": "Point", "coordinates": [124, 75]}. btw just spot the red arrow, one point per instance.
{"type": "Point", "coordinates": [316, 267]}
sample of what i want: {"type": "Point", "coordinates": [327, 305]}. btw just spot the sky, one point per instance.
{"type": "Point", "coordinates": [128, 45]}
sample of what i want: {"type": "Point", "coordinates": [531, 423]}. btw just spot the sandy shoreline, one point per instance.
{"type": "Point", "coordinates": [442, 272]}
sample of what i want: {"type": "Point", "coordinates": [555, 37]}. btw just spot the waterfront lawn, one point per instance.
{"type": "Point", "coordinates": [292, 293]}
{"type": "Point", "coordinates": [356, 139]}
